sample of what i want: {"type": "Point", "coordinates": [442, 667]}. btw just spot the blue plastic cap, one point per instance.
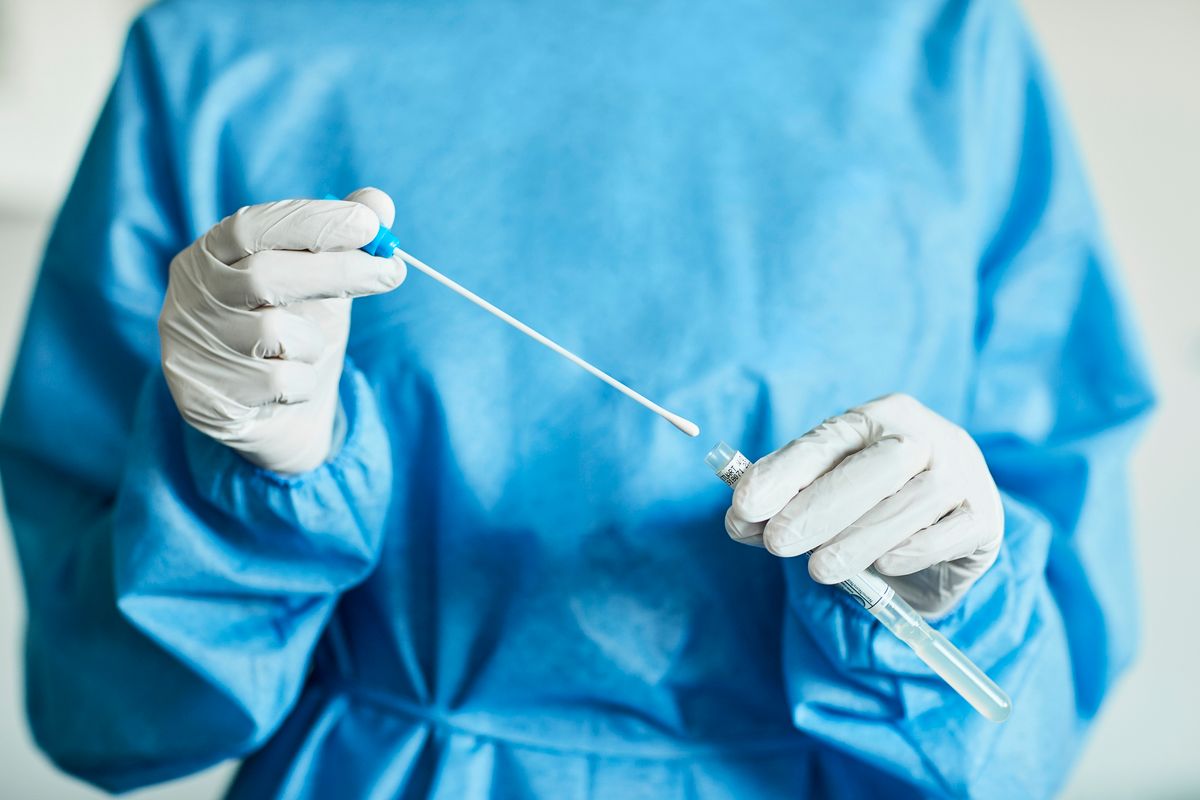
{"type": "Point", "coordinates": [384, 243]}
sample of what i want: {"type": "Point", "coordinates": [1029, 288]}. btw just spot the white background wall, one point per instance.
{"type": "Point", "coordinates": [1129, 72]}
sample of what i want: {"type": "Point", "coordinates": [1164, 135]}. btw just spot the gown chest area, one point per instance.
{"type": "Point", "coordinates": [755, 246]}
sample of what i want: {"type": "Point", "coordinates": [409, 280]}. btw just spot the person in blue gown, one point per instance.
{"type": "Point", "coordinates": [500, 579]}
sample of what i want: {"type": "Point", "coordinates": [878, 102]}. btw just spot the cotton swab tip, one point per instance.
{"type": "Point", "coordinates": [685, 425]}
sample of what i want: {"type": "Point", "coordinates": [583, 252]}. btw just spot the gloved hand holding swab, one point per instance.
{"type": "Point", "coordinates": [386, 245]}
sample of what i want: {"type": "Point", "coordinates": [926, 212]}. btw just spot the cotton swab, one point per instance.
{"type": "Point", "coordinates": [685, 425]}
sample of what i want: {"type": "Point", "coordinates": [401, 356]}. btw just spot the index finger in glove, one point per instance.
{"type": "Point", "coordinates": [839, 497]}
{"type": "Point", "coordinates": [319, 226]}
{"type": "Point", "coordinates": [772, 482]}
{"type": "Point", "coordinates": [281, 277]}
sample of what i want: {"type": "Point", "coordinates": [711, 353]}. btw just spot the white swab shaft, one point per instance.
{"type": "Point", "coordinates": [685, 425]}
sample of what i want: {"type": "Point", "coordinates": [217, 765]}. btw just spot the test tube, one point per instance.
{"type": "Point", "coordinates": [877, 597]}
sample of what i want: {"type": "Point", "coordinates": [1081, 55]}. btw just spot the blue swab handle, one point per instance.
{"type": "Point", "coordinates": [384, 243]}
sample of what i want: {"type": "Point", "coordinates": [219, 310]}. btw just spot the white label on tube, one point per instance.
{"type": "Point", "coordinates": [734, 469]}
{"type": "Point", "coordinates": [869, 590]}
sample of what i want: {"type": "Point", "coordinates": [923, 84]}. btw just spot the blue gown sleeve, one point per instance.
{"type": "Point", "coordinates": [1058, 395]}
{"type": "Point", "coordinates": [174, 591]}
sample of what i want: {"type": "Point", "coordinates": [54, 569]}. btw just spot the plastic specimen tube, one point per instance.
{"type": "Point", "coordinates": [875, 595]}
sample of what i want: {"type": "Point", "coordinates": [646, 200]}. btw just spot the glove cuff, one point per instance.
{"type": "Point", "coordinates": [350, 490]}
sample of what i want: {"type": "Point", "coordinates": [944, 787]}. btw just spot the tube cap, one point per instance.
{"type": "Point", "coordinates": [719, 457]}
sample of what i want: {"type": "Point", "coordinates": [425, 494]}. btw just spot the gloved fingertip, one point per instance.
{"type": "Point", "coordinates": [819, 571]}
{"type": "Point", "coordinates": [748, 499]}
{"type": "Point", "coordinates": [885, 566]}
{"type": "Point", "coordinates": [344, 227]}
{"type": "Point", "coordinates": [378, 201]}
{"type": "Point", "coordinates": [393, 272]}
{"type": "Point", "coordinates": [824, 570]}
{"type": "Point", "coordinates": [731, 525]}
{"type": "Point", "coordinates": [894, 566]}
{"type": "Point", "coordinates": [772, 547]}
{"type": "Point", "coordinates": [739, 529]}
{"type": "Point", "coordinates": [779, 541]}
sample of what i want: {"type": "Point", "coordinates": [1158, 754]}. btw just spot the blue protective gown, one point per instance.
{"type": "Point", "coordinates": [510, 582]}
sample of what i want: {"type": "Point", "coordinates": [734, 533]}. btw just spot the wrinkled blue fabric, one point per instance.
{"type": "Point", "coordinates": [510, 582]}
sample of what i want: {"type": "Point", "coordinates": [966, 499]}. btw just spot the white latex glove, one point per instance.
{"type": "Point", "coordinates": [889, 484]}
{"type": "Point", "coordinates": [256, 319]}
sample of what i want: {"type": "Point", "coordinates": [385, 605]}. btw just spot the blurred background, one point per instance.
{"type": "Point", "coordinates": [1127, 70]}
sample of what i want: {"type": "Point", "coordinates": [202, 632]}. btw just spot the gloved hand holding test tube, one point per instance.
{"type": "Point", "coordinates": [876, 596]}
{"type": "Point", "coordinates": [867, 587]}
